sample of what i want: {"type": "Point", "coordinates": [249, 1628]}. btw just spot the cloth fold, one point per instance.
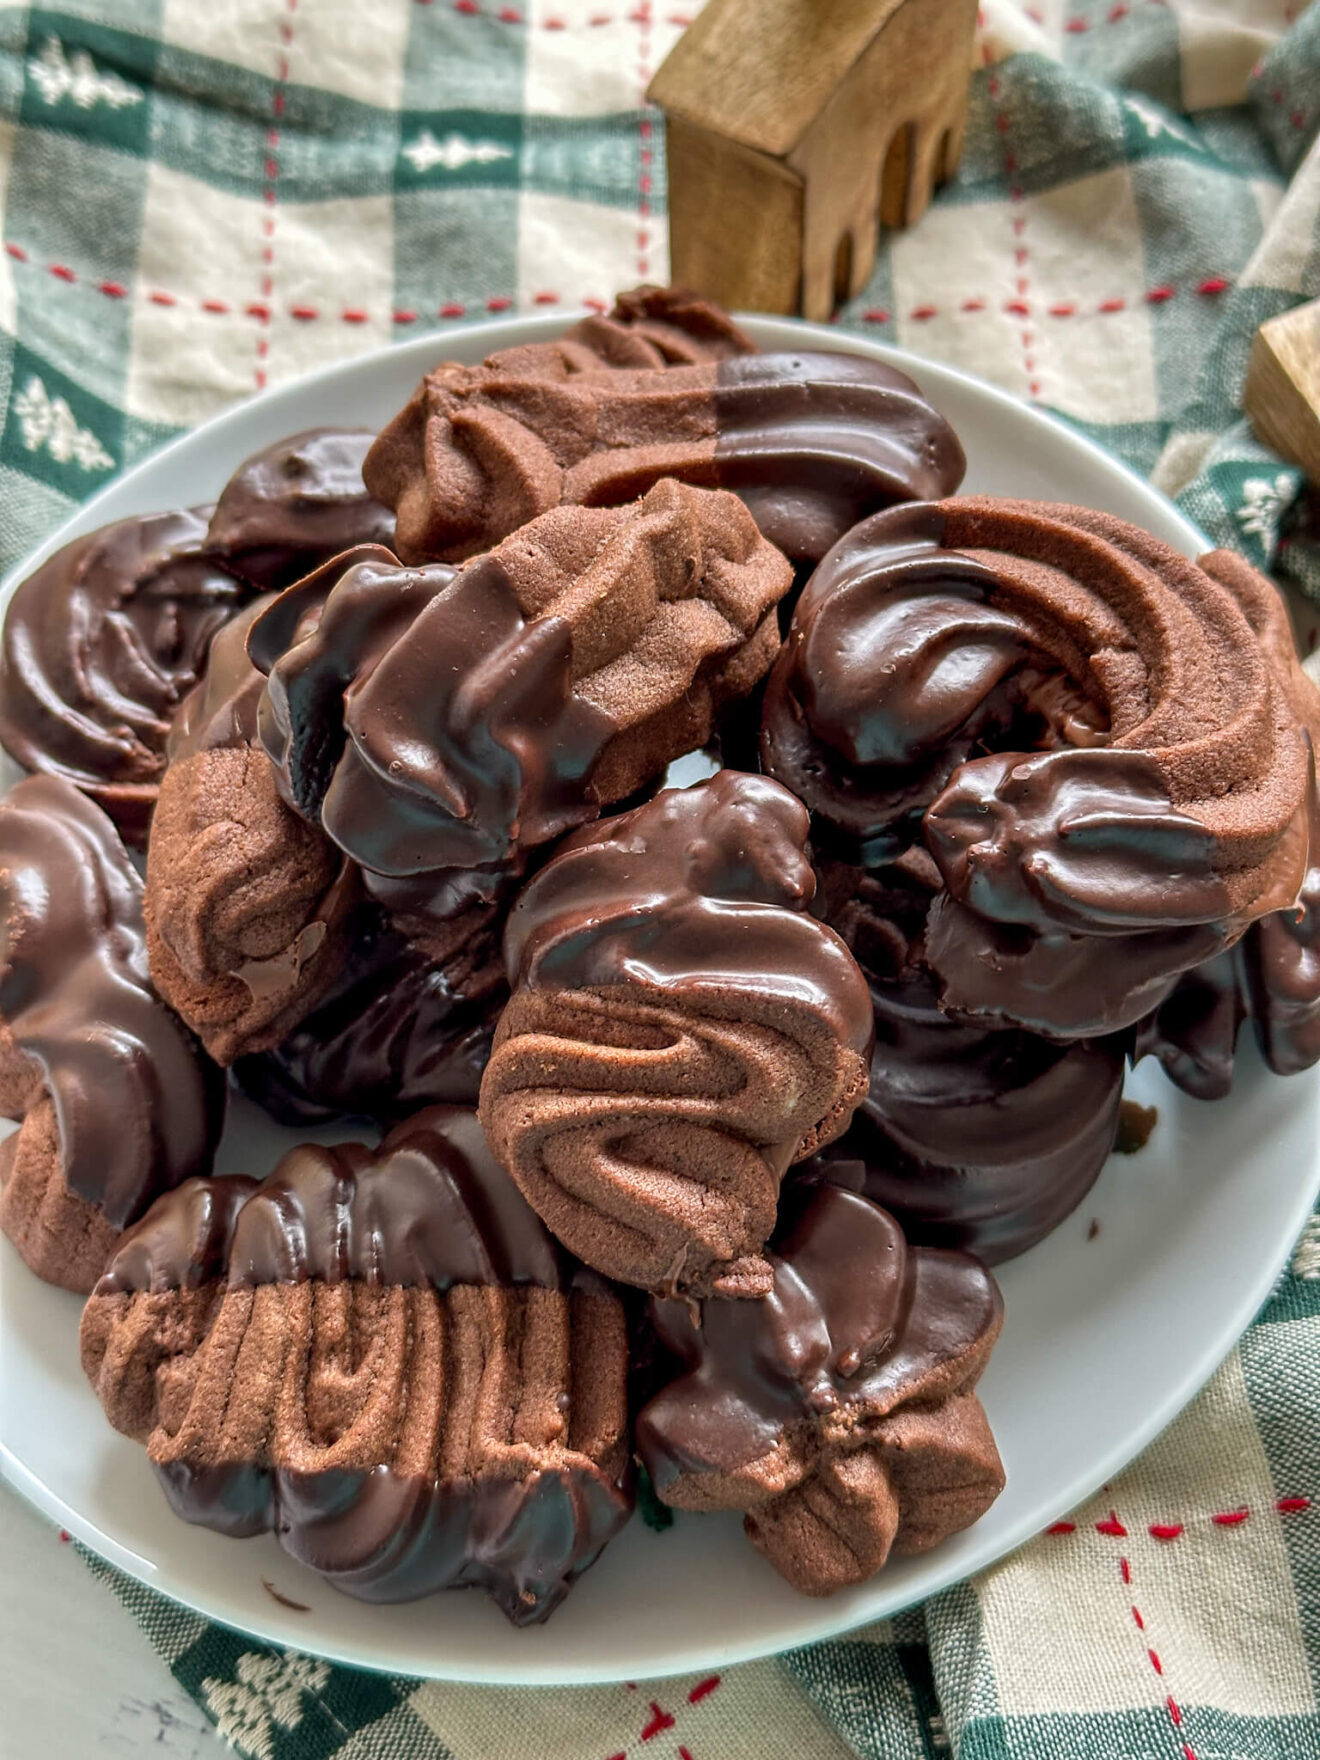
{"type": "Point", "coordinates": [201, 200]}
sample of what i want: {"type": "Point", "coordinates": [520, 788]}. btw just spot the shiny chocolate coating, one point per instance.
{"type": "Point", "coordinates": [221, 709]}
{"type": "Point", "coordinates": [429, 1207]}
{"type": "Point", "coordinates": [459, 1410]}
{"type": "Point", "coordinates": [811, 443]}
{"type": "Point", "coordinates": [100, 645]}
{"type": "Point", "coordinates": [296, 504]}
{"type": "Point", "coordinates": [855, 1319]}
{"type": "Point", "coordinates": [392, 1036]}
{"type": "Point", "coordinates": [978, 1138]}
{"type": "Point", "coordinates": [701, 891]}
{"type": "Point", "coordinates": [1102, 745]}
{"type": "Point", "coordinates": [139, 1106]}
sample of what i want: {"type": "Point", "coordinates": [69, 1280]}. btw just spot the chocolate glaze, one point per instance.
{"type": "Point", "coordinates": [975, 1138]}
{"type": "Point", "coordinates": [810, 442]}
{"type": "Point", "coordinates": [138, 1105]}
{"type": "Point", "coordinates": [221, 708]}
{"type": "Point", "coordinates": [854, 1316]}
{"type": "Point", "coordinates": [700, 891]}
{"type": "Point", "coordinates": [392, 1036]}
{"type": "Point", "coordinates": [295, 505]}
{"type": "Point", "coordinates": [1194, 1030]}
{"type": "Point", "coordinates": [99, 647]}
{"type": "Point", "coordinates": [430, 1206]}
{"type": "Point", "coordinates": [383, 1536]}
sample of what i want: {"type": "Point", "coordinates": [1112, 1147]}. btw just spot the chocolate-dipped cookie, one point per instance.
{"type": "Point", "coordinates": [392, 1035]}
{"type": "Point", "coordinates": [117, 1101]}
{"type": "Point", "coordinates": [1104, 755]}
{"type": "Point", "coordinates": [811, 442]}
{"type": "Point", "coordinates": [680, 1031]}
{"type": "Point", "coordinates": [382, 1358]}
{"type": "Point", "coordinates": [99, 647]}
{"type": "Point", "coordinates": [973, 1137]}
{"type": "Point", "coordinates": [441, 726]}
{"type": "Point", "coordinates": [839, 1411]}
{"type": "Point", "coordinates": [296, 504]}
{"type": "Point", "coordinates": [248, 906]}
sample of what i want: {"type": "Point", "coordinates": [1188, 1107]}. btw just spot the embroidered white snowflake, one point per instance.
{"type": "Point", "coordinates": [453, 153]}
{"type": "Point", "coordinates": [1262, 504]}
{"type": "Point", "coordinates": [1155, 122]}
{"type": "Point", "coordinates": [269, 1691]}
{"type": "Point", "coordinates": [76, 76]}
{"type": "Point", "coordinates": [1306, 1254]}
{"type": "Point", "coordinates": [48, 422]}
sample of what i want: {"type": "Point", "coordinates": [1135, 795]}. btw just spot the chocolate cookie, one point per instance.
{"type": "Point", "coordinates": [811, 443]}
{"type": "Point", "coordinates": [651, 326]}
{"type": "Point", "coordinates": [117, 1101]}
{"type": "Point", "coordinates": [392, 1035]}
{"type": "Point", "coordinates": [247, 905]}
{"type": "Point", "coordinates": [294, 506]}
{"type": "Point", "coordinates": [838, 1412]}
{"type": "Point", "coordinates": [680, 1031]}
{"type": "Point", "coordinates": [1104, 755]}
{"type": "Point", "coordinates": [99, 647]}
{"type": "Point", "coordinates": [440, 726]}
{"type": "Point", "coordinates": [381, 1358]}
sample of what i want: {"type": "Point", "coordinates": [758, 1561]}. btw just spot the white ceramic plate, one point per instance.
{"type": "Point", "coordinates": [1107, 1335]}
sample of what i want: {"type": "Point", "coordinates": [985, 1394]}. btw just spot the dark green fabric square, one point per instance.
{"type": "Point", "coordinates": [57, 431]}
{"type": "Point", "coordinates": [88, 81]}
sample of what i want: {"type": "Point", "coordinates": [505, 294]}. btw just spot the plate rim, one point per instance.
{"type": "Point", "coordinates": [1247, 1298]}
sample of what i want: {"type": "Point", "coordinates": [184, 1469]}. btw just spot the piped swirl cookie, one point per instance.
{"type": "Point", "coordinates": [100, 645]}
{"type": "Point", "coordinates": [116, 1099]}
{"type": "Point", "coordinates": [811, 442]}
{"type": "Point", "coordinates": [838, 1413]}
{"type": "Point", "coordinates": [439, 726]}
{"type": "Point", "coordinates": [1105, 756]}
{"type": "Point", "coordinates": [248, 907]}
{"type": "Point", "coordinates": [680, 1031]}
{"type": "Point", "coordinates": [382, 1358]}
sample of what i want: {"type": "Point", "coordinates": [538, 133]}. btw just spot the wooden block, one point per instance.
{"type": "Point", "coordinates": [1282, 392]}
{"type": "Point", "coordinates": [794, 127]}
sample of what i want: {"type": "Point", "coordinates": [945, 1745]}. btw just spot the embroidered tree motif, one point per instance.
{"type": "Point", "coordinates": [76, 77]}
{"type": "Point", "coordinates": [269, 1691]}
{"type": "Point", "coordinates": [48, 423]}
{"type": "Point", "coordinates": [1262, 503]}
{"type": "Point", "coordinates": [453, 153]}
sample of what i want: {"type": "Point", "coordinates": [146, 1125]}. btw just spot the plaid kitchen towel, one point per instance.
{"type": "Point", "coordinates": [203, 197]}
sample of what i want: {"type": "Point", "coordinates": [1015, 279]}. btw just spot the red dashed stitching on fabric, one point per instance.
{"type": "Point", "coordinates": [1020, 307]}
{"type": "Point", "coordinates": [1171, 1704]}
{"type": "Point", "coordinates": [510, 15]}
{"type": "Point", "coordinates": [660, 1721]}
{"type": "Point", "coordinates": [703, 1689]}
{"type": "Point", "coordinates": [1169, 1531]}
{"type": "Point", "coordinates": [261, 310]}
{"type": "Point", "coordinates": [684, 1753]}
{"type": "Point", "coordinates": [65, 1536]}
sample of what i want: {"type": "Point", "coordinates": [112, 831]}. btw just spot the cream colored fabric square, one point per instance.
{"type": "Point", "coordinates": [194, 338]}
{"type": "Point", "coordinates": [1138, 1599]}
{"type": "Point", "coordinates": [342, 46]}
{"type": "Point", "coordinates": [332, 276]}
{"type": "Point", "coordinates": [8, 295]}
{"type": "Point", "coordinates": [579, 251]}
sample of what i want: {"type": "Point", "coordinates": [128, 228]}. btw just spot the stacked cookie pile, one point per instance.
{"type": "Point", "coordinates": [697, 1102]}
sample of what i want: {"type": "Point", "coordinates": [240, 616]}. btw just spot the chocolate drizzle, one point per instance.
{"type": "Point", "coordinates": [138, 1106]}
{"type": "Point", "coordinates": [99, 647]}
{"type": "Point", "coordinates": [295, 505]}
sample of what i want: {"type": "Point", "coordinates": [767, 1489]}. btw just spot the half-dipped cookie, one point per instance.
{"type": "Point", "coordinates": [1102, 745]}
{"type": "Point", "coordinates": [439, 726]}
{"type": "Point", "coordinates": [680, 1031]}
{"type": "Point", "coordinates": [247, 905]}
{"type": "Point", "coordinates": [381, 1357]}
{"type": "Point", "coordinates": [117, 1101]}
{"type": "Point", "coordinates": [838, 1412]}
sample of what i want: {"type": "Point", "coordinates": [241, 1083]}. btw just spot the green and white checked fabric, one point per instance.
{"type": "Point", "coordinates": [201, 197]}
